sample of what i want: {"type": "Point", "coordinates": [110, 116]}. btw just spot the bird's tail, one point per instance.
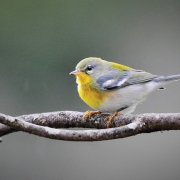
{"type": "Point", "coordinates": [167, 78]}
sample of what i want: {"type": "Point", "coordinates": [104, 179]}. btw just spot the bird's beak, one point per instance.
{"type": "Point", "coordinates": [75, 72]}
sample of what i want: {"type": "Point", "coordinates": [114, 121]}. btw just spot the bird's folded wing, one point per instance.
{"type": "Point", "coordinates": [118, 79]}
{"type": "Point", "coordinates": [139, 77]}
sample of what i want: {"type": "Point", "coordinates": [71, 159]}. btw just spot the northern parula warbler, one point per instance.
{"type": "Point", "coordinates": [110, 87]}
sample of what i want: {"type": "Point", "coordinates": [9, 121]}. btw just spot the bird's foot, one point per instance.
{"type": "Point", "coordinates": [90, 113]}
{"type": "Point", "coordinates": [110, 118]}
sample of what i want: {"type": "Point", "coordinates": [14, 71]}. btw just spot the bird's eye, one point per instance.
{"type": "Point", "coordinates": [89, 69]}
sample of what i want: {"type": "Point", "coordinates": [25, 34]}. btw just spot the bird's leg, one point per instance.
{"type": "Point", "coordinates": [110, 118]}
{"type": "Point", "coordinates": [90, 113]}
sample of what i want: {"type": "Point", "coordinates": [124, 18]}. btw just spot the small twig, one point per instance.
{"type": "Point", "coordinates": [132, 125]}
{"type": "Point", "coordinates": [66, 119]}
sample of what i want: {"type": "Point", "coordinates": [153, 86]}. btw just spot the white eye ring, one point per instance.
{"type": "Point", "coordinates": [89, 69]}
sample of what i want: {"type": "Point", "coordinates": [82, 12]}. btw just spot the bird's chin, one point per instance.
{"type": "Point", "coordinates": [83, 79]}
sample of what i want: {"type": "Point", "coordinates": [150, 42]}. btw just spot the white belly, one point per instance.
{"type": "Point", "coordinates": [129, 96]}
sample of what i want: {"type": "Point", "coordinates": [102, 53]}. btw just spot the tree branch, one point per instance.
{"type": "Point", "coordinates": [122, 126]}
{"type": "Point", "coordinates": [64, 119]}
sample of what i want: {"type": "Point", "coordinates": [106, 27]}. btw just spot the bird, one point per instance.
{"type": "Point", "coordinates": [113, 88]}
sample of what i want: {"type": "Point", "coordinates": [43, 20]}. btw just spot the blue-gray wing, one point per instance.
{"type": "Point", "coordinates": [113, 79]}
{"type": "Point", "coordinates": [139, 77]}
{"type": "Point", "coordinates": [116, 79]}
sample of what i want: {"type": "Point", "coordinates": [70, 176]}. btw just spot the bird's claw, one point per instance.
{"type": "Point", "coordinates": [89, 113]}
{"type": "Point", "coordinates": [110, 118]}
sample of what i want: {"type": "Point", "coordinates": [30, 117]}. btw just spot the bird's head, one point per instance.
{"type": "Point", "coordinates": [90, 69]}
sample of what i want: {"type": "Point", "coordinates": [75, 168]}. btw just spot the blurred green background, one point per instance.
{"type": "Point", "coordinates": [42, 41]}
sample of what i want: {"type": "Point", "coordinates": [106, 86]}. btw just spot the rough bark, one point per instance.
{"type": "Point", "coordinates": [46, 124]}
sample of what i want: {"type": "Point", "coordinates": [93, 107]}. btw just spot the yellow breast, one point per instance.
{"type": "Point", "coordinates": [91, 96]}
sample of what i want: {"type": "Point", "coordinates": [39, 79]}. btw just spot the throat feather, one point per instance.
{"type": "Point", "coordinates": [91, 96]}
